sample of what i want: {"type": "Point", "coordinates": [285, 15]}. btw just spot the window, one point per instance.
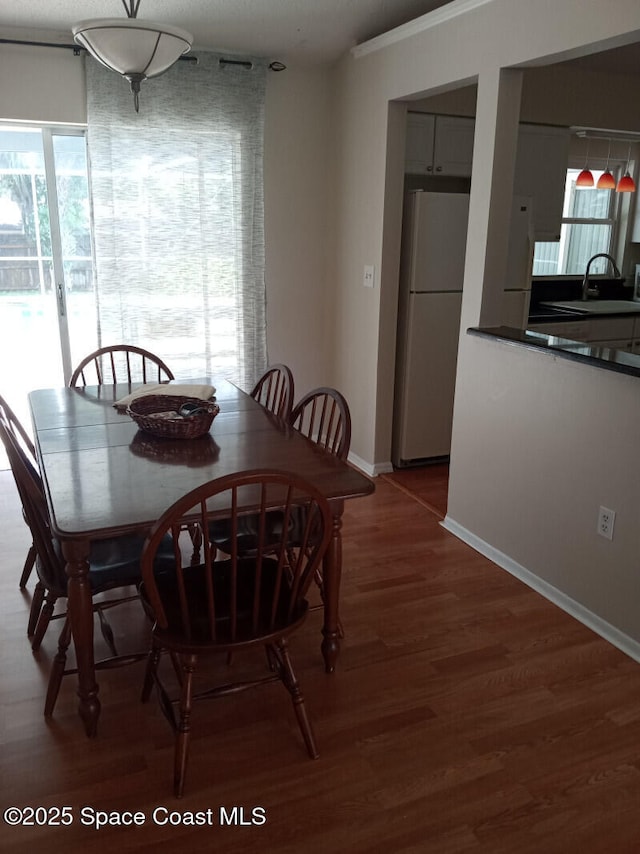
{"type": "Point", "coordinates": [588, 226]}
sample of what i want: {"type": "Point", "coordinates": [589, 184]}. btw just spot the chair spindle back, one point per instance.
{"type": "Point", "coordinates": [242, 599]}
{"type": "Point", "coordinates": [274, 390]}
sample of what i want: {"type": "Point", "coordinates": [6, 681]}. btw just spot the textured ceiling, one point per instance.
{"type": "Point", "coordinates": [304, 31]}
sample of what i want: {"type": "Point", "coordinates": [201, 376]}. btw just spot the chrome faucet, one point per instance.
{"type": "Point", "coordinates": [595, 291]}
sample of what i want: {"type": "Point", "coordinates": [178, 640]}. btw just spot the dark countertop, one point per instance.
{"type": "Point", "coordinates": [600, 357]}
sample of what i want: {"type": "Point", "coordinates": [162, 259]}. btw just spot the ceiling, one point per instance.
{"type": "Point", "coordinates": [291, 31]}
{"type": "Point", "coordinates": [302, 31]}
{"type": "Point", "coordinates": [620, 60]}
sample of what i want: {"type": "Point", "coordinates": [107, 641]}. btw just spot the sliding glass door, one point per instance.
{"type": "Point", "coordinates": [47, 302]}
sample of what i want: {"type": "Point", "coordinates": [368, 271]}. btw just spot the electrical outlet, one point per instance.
{"type": "Point", "coordinates": [606, 519]}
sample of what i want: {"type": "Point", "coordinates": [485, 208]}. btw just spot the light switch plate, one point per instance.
{"type": "Point", "coordinates": [369, 276]}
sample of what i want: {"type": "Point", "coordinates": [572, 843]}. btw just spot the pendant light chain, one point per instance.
{"type": "Point", "coordinates": [131, 8]}
{"type": "Point", "coordinates": [606, 181]}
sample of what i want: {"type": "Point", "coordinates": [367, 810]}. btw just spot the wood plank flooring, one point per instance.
{"type": "Point", "coordinates": [467, 714]}
{"type": "Point", "coordinates": [428, 484]}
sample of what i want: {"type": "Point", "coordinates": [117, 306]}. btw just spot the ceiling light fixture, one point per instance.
{"type": "Point", "coordinates": [585, 178]}
{"type": "Point", "coordinates": [133, 48]}
{"type": "Point", "coordinates": [606, 181]}
{"type": "Point", "coordinates": [626, 184]}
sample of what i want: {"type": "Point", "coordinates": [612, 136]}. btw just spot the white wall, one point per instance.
{"type": "Point", "coordinates": [537, 445]}
{"type": "Point", "coordinates": [299, 315]}
{"type": "Point", "coordinates": [541, 443]}
{"type": "Point", "coordinates": [47, 85]}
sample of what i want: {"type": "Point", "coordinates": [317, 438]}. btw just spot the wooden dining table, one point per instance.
{"type": "Point", "coordinates": [103, 478]}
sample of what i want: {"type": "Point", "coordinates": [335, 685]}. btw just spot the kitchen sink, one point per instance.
{"type": "Point", "coordinates": [597, 306]}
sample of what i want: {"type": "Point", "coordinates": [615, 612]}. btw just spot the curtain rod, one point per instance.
{"type": "Point", "coordinates": [77, 50]}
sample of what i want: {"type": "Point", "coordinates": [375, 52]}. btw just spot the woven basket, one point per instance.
{"type": "Point", "coordinates": [158, 414]}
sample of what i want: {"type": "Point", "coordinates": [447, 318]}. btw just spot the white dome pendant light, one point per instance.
{"type": "Point", "coordinates": [135, 49]}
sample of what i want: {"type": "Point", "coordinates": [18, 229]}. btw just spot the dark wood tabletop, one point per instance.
{"type": "Point", "coordinates": [104, 477]}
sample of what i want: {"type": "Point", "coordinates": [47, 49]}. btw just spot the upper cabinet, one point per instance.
{"type": "Point", "coordinates": [541, 170]}
{"type": "Point", "coordinates": [418, 158]}
{"type": "Point", "coordinates": [443, 145]}
{"type": "Point", "coordinates": [439, 145]}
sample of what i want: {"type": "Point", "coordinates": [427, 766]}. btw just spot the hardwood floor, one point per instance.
{"type": "Point", "coordinates": [428, 484]}
{"type": "Point", "coordinates": [467, 714]}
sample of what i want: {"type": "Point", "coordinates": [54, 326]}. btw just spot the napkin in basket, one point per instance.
{"type": "Point", "coordinates": [202, 392]}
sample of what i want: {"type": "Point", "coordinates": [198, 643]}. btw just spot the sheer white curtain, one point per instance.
{"type": "Point", "coordinates": [177, 197]}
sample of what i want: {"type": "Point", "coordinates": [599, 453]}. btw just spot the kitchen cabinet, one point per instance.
{"type": "Point", "coordinates": [541, 168]}
{"type": "Point", "coordinates": [443, 145]}
{"type": "Point", "coordinates": [419, 143]}
{"type": "Point", "coordinates": [439, 145]}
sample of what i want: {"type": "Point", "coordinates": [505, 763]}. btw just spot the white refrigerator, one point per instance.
{"type": "Point", "coordinates": [431, 274]}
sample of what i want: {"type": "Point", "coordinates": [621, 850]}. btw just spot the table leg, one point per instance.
{"type": "Point", "coordinates": [80, 607]}
{"type": "Point", "coordinates": [331, 575]}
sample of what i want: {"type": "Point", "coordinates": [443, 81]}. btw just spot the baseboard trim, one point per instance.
{"type": "Point", "coordinates": [601, 627]}
{"type": "Point", "coordinates": [367, 468]}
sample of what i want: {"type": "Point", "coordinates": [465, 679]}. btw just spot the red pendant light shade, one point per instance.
{"type": "Point", "coordinates": [606, 181]}
{"type": "Point", "coordinates": [626, 184]}
{"type": "Point", "coordinates": [585, 178]}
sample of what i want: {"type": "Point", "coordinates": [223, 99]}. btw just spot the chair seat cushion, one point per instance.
{"type": "Point", "coordinates": [200, 629]}
{"type": "Point", "coordinates": [116, 562]}
{"type": "Point", "coordinates": [113, 562]}
{"type": "Point", "coordinates": [248, 530]}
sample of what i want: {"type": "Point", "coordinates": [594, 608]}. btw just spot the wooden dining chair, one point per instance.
{"type": "Point", "coordinates": [113, 564]}
{"type": "Point", "coordinates": [22, 460]}
{"type": "Point", "coordinates": [232, 604]}
{"type": "Point", "coordinates": [274, 390]}
{"type": "Point", "coordinates": [120, 363]}
{"type": "Point", "coordinates": [323, 416]}
{"type": "Point", "coordinates": [21, 436]}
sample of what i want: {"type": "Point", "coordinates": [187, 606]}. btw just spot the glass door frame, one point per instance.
{"type": "Point", "coordinates": [48, 132]}
{"type": "Point", "coordinates": [57, 255]}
